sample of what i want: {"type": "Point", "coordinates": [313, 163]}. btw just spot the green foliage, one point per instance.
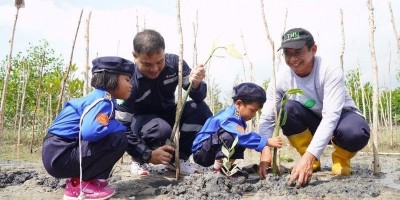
{"type": "Point", "coordinates": [354, 89]}
{"type": "Point", "coordinates": [286, 158]}
{"type": "Point", "coordinates": [40, 69]}
{"type": "Point", "coordinates": [266, 83]}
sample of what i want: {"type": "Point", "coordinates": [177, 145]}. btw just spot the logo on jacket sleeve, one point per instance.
{"type": "Point", "coordinates": [102, 118]}
{"type": "Point", "coordinates": [240, 129]}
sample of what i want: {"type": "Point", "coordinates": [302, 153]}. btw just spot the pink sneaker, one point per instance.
{"type": "Point", "coordinates": [90, 190]}
{"type": "Point", "coordinates": [100, 182]}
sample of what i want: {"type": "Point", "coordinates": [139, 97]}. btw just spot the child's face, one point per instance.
{"type": "Point", "coordinates": [247, 111]}
{"type": "Point", "coordinates": [124, 87]}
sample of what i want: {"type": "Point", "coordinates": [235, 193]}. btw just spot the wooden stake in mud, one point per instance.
{"type": "Point", "coordinates": [174, 134]}
{"type": "Point", "coordinates": [375, 99]}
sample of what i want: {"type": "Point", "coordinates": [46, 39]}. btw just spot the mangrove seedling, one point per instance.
{"type": "Point", "coordinates": [280, 121]}
{"type": "Point", "coordinates": [228, 168]}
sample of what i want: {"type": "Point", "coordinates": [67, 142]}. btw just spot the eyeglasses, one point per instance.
{"type": "Point", "coordinates": [296, 53]}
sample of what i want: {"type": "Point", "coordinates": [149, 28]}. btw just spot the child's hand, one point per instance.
{"type": "Point", "coordinates": [275, 142]}
{"type": "Point", "coordinates": [265, 162]}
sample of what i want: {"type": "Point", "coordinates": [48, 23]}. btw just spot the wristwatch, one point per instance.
{"type": "Point", "coordinates": [146, 156]}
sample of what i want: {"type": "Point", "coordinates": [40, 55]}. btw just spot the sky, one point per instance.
{"type": "Point", "coordinates": [113, 25]}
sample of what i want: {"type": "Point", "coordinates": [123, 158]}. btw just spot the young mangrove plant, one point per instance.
{"type": "Point", "coordinates": [228, 168]}
{"type": "Point", "coordinates": [280, 121]}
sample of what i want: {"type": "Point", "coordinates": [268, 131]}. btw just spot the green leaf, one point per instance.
{"type": "Point", "coordinates": [225, 151]}
{"type": "Point", "coordinates": [235, 142]}
{"type": "Point", "coordinates": [230, 49]}
{"type": "Point", "coordinates": [231, 152]}
{"type": "Point", "coordinates": [286, 158]}
{"type": "Point", "coordinates": [295, 91]}
{"type": "Point", "coordinates": [284, 118]}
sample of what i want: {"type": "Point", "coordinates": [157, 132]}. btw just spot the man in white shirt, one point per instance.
{"type": "Point", "coordinates": [324, 114]}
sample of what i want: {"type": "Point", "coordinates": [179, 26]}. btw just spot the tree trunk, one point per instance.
{"type": "Point", "coordinates": [66, 74]}
{"type": "Point", "coordinates": [6, 77]}
{"type": "Point", "coordinates": [49, 111]}
{"type": "Point", "coordinates": [37, 107]}
{"type": "Point", "coordinates": [16, 108]}
{"type": "Point", "coordinates": [86, 69]}
{"type": "Point", "coordinates": [21, 116]}
{"type": "Point", "coordinates": [375, 99]}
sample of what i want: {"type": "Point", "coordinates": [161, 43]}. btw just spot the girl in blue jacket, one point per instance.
{"type": "Point", "coordinates": [85, 141]}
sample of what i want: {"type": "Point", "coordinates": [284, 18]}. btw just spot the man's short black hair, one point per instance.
{"type": "Point", "coordinates": [148, 41]}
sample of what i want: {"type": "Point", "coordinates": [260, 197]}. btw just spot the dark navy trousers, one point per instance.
{"type": "Point", "coordinates": [211, 149]}
{"type": "Point", "coordinates": [61, 156]}
{"type": "Point", "coordinates": [152, 130]}
{"type": "Point", "coordinates": [352, 132]}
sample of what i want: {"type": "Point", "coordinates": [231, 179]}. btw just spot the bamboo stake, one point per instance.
{"type": "Point", "coordinates": [66, 74]}
{"type": "Point", "coordinates": [179, 104]}
{"type": "Point", "coordinates": [343, 38]}
{"type": "Point", "coordinates": [279, 56]}
{"type": "Point", "coordinates": [195, 32]}
{"type": "Point", "coordinates": [86, 82]}
{"type": "Point", "coordinates": [375, 99]}
{"type": "Point", "coordinates": [397, 37]}
{"type": "Point", "coordinates": [275, 165]}
{"type": "Point", "coordinates": [390, 100]}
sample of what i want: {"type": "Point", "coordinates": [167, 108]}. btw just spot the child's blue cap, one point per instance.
{"type": "Point", "coordinates": [250, 92]}
{"type": "Point", "coordinates": [113, 64]}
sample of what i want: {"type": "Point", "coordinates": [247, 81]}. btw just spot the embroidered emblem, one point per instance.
{"type": "Point", "coordinates": [102, 118]}
{"type": "Point", "coordinates": [107, 96]}
{"type": "Point", "coordinates": [240, 128]}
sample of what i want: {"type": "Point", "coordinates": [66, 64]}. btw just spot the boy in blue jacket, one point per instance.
{"type": "Point", "coordinates": [89, 123]}
{"type": "Point", "coordinates": [223, 128]}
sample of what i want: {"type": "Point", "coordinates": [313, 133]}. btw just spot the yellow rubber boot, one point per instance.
{"type": "Point", "coordinates": [301, 141]}
{"type": "Point", "coordinates": [341, 161]}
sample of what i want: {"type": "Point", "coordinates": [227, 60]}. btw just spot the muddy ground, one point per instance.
{"type": "Point", "coordinates": [28, 180]}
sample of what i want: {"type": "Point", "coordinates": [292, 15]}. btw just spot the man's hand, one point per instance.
{"type": "Point", "coordinates": [197, 75]}
{"type": "Point", "coordinates": [265, 162]}
{"type": "Point", "coordinates": [302, 171]}
{"type": "Point", "coordinates": [162, 155]}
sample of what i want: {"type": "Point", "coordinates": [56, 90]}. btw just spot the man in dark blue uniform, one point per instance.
{"type": "Point", "coordinates": [150, 109]}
